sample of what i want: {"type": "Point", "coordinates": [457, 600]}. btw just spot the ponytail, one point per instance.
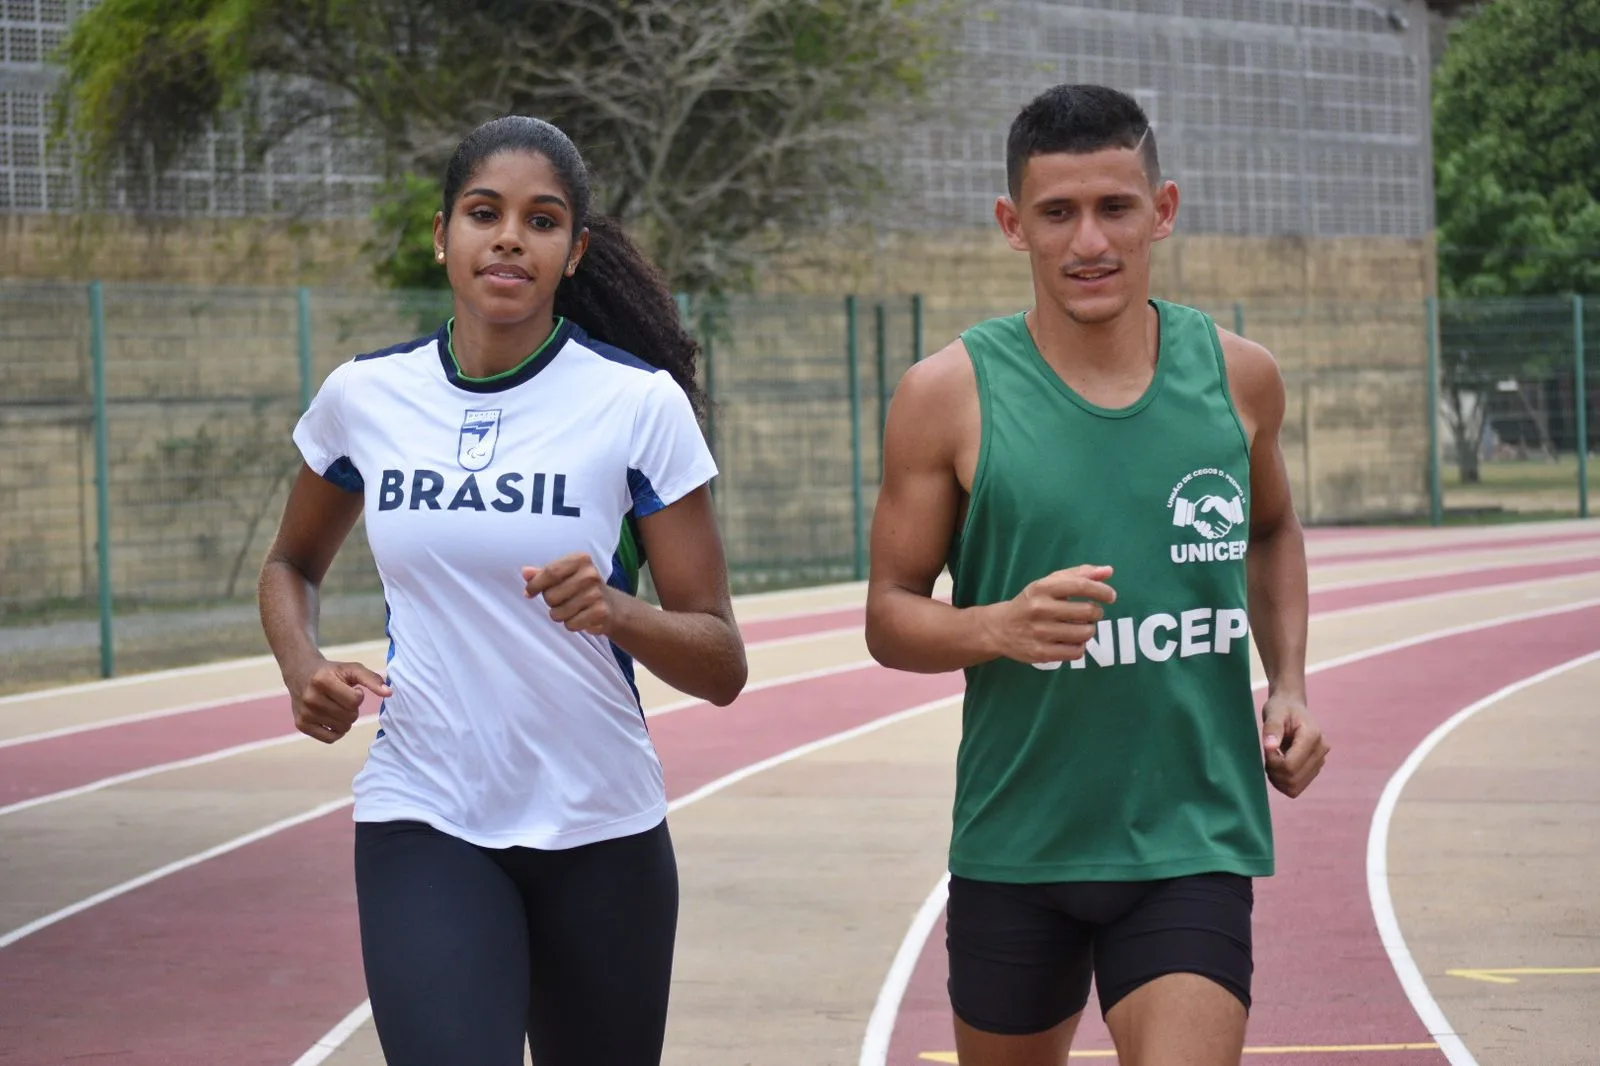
{"type": "Point", "coordinates": [618, 297]}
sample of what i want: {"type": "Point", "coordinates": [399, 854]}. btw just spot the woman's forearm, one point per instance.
{"type": "Point", "coordinates": [700, 654]}
{"type": "Point", "coordinates": [290, 605]}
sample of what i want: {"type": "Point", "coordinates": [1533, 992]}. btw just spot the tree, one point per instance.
{"type": "Point", "coordinates": [1516, 119]}
{"type": "Point", "coordinates": [1516, 109]}
{"type": "Point", "coordinates": [713, 126]}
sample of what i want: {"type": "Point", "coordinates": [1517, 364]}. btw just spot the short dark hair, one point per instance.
{"type": "Point", "coordinates": [617, 295]}
{"type": "Point", "coordinates": [1079, 119]}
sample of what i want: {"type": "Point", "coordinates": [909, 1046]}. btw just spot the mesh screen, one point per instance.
{"type": "Point", "coordinates": [1277, 116]}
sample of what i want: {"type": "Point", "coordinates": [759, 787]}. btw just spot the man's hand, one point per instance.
{"type": "Point", "coordinates": [576, 594]}
{"type": "Point", "coordinates": [1052, 619]}
{"type": "Point", "coordinates": [327, 700]}
{"type": "Point", "coordinates": [1292, 743]}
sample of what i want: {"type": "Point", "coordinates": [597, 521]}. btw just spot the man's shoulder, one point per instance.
{"type": "Point", "coordinates": [1246, 358]}
{"type": "Point", "coordinates": [1254, 379]}
{"type": "Point", "coordinates": [945, 375]}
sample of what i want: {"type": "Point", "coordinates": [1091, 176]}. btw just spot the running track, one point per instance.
{"type": "Point", "coordinates": [250, 957]}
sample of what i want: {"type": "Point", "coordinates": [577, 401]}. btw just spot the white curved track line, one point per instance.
{"type": "Point", "coordinates": [880, 1027]}
{"type": "Point", "coordinates": [229, 701]}
{"type": "Point", "coordinates": [685, 704]}
{"type": "Point", "coordinates": [1383, 913]}
{"type": "Point", "coordinates": [142, 716]}
{"type": "Point", "coordinates": [291, 738]}
{"type": "Point", "coordinates": [893, 990]}
{"type": "Point", "coordinates": [267, 660]}
{"type": "Point", "coordinates": [161, 768]}
{"type": "Point", "coordinates": [1587, 555]}
{"type": "Point", "coordinates": [800, 638]}
{"type": "Point", "coordinates": [335, 1038]}
{"type": "Point", "coordinates": [171, 868]}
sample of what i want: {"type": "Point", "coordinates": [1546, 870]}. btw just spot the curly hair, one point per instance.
{"type": "Point", "coordinates": [616, 295]}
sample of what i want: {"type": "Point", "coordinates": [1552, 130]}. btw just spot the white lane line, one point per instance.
{"type": "Point", "coordinates": [177, 764]}
{"type": "Point", "coordinates": [1383, 913]}
{"type": "Point", "coordinates": [777, 642]}
{"type": "Point", "coordinates": [880, 1027]}
{"type": "Point", "coordinates": [335, 1038]}
{"type": "Point", "coordinates": [171, 868]}
{"type": "Point", "coordinates": [267, 660]}
{"type": "Point", "coordinates": [290, 738]}
{"type": "Point", "coordinates": [228, 701]}
{"type": "Point", "coordinates": [886, 1010]}
{"type": "Point", "coordinates": [1434, 597]}
{"type": "Point", "coordinates": [758, 686]}
{"type": "Point", "coordinates": [1456, 571]}
{"type": "Point", "coordinates": [143, 716]}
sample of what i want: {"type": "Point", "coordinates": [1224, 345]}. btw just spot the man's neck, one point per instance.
{"type": "Point", "coordinates": [1120, 346]}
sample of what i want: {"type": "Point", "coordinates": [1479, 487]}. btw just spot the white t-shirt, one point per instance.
{"type": "Point", "coordinates": [505, 728]}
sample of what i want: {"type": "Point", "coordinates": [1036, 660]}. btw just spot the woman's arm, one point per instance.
{"type": "Point", "coordinates": [691, 641]}
{"type": "Point", "coordinates": [326, 695]}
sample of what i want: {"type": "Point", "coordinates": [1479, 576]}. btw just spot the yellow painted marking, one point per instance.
{"type": "Point", "coordinates": [1288, 1049]}
{"type": "Point", "coordinates": [1509, 976]}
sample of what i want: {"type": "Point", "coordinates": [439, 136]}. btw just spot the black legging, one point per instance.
{"type": "Point", "coordinates": [468, 949]}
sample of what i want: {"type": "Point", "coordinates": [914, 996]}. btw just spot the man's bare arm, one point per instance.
{"type": "Point", "coordinates": [1293, 744]}
{"type": "Point", "coordinates": [933, 414]}
{"type": "Point", "coordinates": [1277, 557]}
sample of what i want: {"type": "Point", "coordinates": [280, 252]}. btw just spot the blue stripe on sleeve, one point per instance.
{"type": "Point", "coordinates": [645, 500]}
{"type": "Point", "coordinates": [343, 474]}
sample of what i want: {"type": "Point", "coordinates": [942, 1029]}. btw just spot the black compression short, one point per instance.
{"type": "Point", "coordinates": [1022, 955]}
{"type": "Point", "coordinates": [469, 950]}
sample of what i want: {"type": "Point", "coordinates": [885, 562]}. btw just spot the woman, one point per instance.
{"type": "Point", "coordinates": [514, 870]}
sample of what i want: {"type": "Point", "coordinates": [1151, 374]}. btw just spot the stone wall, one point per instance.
{"type": "Point", "coordinates": [205, 385]}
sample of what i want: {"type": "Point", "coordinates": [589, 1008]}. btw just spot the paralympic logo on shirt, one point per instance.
{"type": "Point", "coordinates": [480, 431]}
{"type": "Point", "coordinates": [1201, 502]}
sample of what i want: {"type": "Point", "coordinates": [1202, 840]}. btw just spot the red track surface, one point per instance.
{"type": "Point", "coordinates": [1322, 975]}
{"type": "Point", "coordinates": [1460, 547]}
{"type": "Point", "coordinates": [45, 766]}
{"type": "Point", "coordinates": [256, 951]}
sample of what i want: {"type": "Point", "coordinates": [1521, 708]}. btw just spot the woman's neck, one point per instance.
{"type": "Point", "coordinates": [485, 349]}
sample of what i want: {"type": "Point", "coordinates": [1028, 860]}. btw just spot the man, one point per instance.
{"type": "Point", "coordinates": [1103, 478]}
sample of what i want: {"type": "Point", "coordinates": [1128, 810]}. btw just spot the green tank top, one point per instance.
{"type": "Point", "coordinates": [1142, 760]}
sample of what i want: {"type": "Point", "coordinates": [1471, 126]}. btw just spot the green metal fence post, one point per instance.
{"type": "Point", "coordinates": [917, 349]}
{"type": "Point", "coordinates": [102, 474]}
{"type": "Point", "coordinates": [305, 348]}
{"type": "Point", "coordinates": [1435, 488]}
{"type": "Point", "coordinates": [858, 514]}
{"type": "Point", "coordinates": [1581, 387]}
{"type": "Point", "coordinates": [1238, 318]}
{"type": "Point", "coordinates": [881, 339]}
{"type": "Point", "coordinates": [707, 352]}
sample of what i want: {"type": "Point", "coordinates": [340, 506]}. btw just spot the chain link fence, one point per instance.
{"type": "Point", "coordinates": [146, 450]}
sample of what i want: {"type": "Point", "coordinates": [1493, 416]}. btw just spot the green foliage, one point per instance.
{"type": "Point", "coordinates": [1496, 241]}
{"type": "Point", "coordinates": [713, 126]}
{"type": "Point", "coordinates": [1517, 150]}
{"type": "Point", "coordinates": [161, 67]}
{"type": "Point", "coordinates": [403, 242]}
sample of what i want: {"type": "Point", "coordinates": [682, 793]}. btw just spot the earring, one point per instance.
{"type": "Point", "coordinates": [439, 256]}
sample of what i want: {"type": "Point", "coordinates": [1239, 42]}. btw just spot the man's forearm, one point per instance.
{"type": "Point", "coordinates": [919, 634]}
{"type": "Point", "coordinates": [1279, 606]}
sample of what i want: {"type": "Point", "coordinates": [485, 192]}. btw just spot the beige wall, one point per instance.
{"type": "Point", "coordinates": [950, 268]}
{"type": "Point", "coordinates": [197, 251]}
{"type": "Point", "coordinates": [196, 455]}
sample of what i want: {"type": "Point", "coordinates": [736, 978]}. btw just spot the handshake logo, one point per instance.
{"type": "Point", "coordinates": [1212, 503]}
{"type": "Point", "coordinates": [1212, 516]}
